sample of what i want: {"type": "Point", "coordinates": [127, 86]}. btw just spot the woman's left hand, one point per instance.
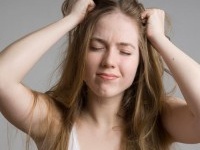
{"type": "Point", "coordinates": [154, 20]}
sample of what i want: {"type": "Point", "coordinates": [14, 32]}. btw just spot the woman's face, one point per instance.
{"type": "Point", "coordinates": [113, 56]}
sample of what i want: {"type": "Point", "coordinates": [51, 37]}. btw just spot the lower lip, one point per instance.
{"type": "Point", "coordinates": [107, 77]}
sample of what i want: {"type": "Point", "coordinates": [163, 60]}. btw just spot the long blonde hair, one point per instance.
{"type": "Point", "coordinates": [143, 101]}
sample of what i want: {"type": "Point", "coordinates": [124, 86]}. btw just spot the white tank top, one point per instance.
{"type": "Point", "coordinates": [73, 140]}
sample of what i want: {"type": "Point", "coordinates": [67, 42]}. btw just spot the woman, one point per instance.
{"type": "Point", "coordinates": [110, 94]}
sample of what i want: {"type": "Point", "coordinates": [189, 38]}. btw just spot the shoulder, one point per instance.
{"type": "Point", "coordinates": [173, 108]}
{"type": "Point", "coordinates": [49, 118]}
{"type": "Point", "coordinates": [179, 121]}
{"type": "Point", "coordinates": [171, 104]}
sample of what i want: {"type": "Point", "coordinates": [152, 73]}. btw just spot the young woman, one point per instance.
{"type": "Point", "coordinates": [110, 95]}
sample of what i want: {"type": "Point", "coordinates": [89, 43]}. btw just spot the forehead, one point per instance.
{"type": "Point", "coordinates": [117, 27]}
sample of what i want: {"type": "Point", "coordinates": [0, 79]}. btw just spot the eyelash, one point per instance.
{"type": "Point", "coordinates": [95, 48]}
{"type": "Point", "coordinates": [125, 53]}
{"type": "Point", "coordinates": [121, 52]}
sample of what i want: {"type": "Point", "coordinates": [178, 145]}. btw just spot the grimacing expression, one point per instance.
{"type": "Point", "coordinates": [113, 55]}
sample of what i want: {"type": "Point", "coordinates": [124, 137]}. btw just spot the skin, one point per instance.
{"type": "Point", "coordinates": [180, 118]}
{"type": "Point", "coordinates": [109, 54]}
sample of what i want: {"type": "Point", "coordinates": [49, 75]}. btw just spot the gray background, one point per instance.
{"type": "Point", "coordinates": [19, 17]}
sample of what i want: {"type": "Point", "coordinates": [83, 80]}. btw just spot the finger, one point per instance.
{"type": "Point", "coordinates": [91, 6]}
{"type": "Point", "coordinates": [146, 14]}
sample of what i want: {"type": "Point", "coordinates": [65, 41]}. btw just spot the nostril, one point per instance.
{"type": "Point", "coordinates": [108, 59]}
{"type": "Point", "coordinates": [107, 63]}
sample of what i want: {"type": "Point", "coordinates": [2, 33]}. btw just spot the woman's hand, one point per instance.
{"type": "Point", "coordinates": [155, 22]}
{"type": "Point", "coordinates": [81, 8]}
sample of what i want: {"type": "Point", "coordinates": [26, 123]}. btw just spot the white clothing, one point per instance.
{"type": "Point", "coordinates": [73, 140]}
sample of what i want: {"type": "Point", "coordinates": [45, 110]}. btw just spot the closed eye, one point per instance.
{"type": "Point", "coordinates": [125, 53]}
{"type": "Point", "coordinates": [96, 48]}
{"type": "Point", "coordinates": [97, 44]}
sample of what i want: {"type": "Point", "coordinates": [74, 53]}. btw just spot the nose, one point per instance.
{"type": "Point", "coordinates": [109, 59]}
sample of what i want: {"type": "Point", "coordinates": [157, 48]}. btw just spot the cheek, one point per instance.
{"type": "Point", "coordinates": [130, 69]}
{"type": "Point", "coordinates": [91, 65]}
{"type": "Point", "coordinates": [92, 59]}
{"type": "Point", "coordinates": [131, 72]}
{"type": "Point", "coordinates": [88, 70]}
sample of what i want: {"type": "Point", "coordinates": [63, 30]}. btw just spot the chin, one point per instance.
{"type": "Point", "coordinates": [108, 94]}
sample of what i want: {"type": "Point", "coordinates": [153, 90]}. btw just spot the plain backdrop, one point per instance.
{"type": "Point", "coordinates": [20, 17]}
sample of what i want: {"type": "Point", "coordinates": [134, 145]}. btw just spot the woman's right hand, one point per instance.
{"type": "Point", "coordinates": [81, 8]}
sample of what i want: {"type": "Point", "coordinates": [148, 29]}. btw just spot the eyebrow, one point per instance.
{"type": "Point", "coordinates": [105, 43]}
{"type": "Point", "coordinates": [127, 44]}
{"type": "Point", "coordinates": [99, 40]}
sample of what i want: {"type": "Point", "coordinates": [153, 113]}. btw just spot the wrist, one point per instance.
{"type": "Point", "coordinates": [70, 21]}
{"type": "Point", "coordinates": [159, 41]}
{"type": "Point", "coordinates": [75, 18]}
{"type": "Point", "coordinates": [156, 37]}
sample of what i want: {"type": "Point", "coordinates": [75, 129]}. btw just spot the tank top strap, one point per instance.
{"type": "Point", "coordinates": [73, 140]}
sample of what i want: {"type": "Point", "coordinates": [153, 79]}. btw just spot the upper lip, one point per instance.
{"type": "Point", "coordinates": [108, 74]}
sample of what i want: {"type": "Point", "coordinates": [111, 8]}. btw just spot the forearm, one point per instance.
{"type": "Point", "coordinates": [185, 71]}
{"type": "Point", "coordinates": [18, 58]}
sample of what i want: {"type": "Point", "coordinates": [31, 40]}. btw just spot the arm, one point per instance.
{"type": "Point", "coordinates": [16, 60]}
{"type": "Point", "coordinates": [180, 118]}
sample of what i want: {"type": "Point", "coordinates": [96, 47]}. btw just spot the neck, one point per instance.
{"type": "Point", "coordinates": [103, 111]}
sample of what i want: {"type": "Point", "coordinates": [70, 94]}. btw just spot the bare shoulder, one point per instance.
{"type": "Point", "coordinates": [172, 104]}
{"type": "Point", "coordinates": [30, 111]}
{"type": "Point", "coordinates": [179, 121]}
{"type": "Point", "coordinates": [47, 116]}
